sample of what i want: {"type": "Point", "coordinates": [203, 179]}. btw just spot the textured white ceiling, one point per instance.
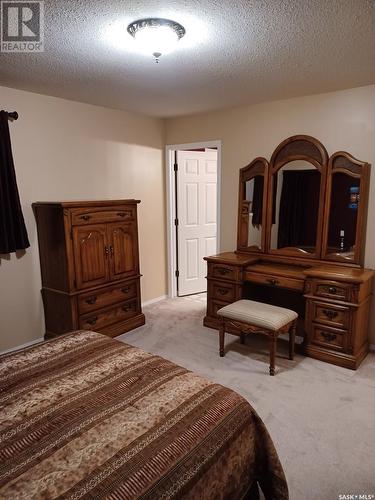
{"type": "Point", "coordinates": [234, 52]}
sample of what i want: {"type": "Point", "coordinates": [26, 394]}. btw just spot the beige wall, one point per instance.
{"type": "Point", "coordinates": [65, 150]}
{"type": "Point", "coordinates": [340, 120]}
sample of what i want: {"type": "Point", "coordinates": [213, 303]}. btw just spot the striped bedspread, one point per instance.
{"type": "Point", "coordinates": [86, 416]}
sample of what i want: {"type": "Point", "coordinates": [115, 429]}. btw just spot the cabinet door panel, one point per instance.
{"type": "Point", "coordinates": [91, 255]}
{"type": "Point", "coordinates": [123, 250]}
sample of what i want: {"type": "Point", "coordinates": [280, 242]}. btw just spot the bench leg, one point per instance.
{"type": "Point", "coordinates": [292, 338]}
{"type": "Point", "coordinates": [221, 338]}
{"type": "Point", "coordinates": [273, 341]}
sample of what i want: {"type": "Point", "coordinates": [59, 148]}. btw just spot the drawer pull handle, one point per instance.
{"type": "Point", "coordinates": [332, 289]}
{"type": "Point", "coordinates": [85, 217]}
{"type": "Point", "coordinates": [122, 214]}
{"type": "Point", "coordinates": [126, 289]}
{"type": "Point", "coordinates": [223, 270]}
{"type": "Point", "coordinates": [272, 281]}
{"type": "Point", "coordinates": [92, 321]}
{"type": "Point", "coordinates": [328, 336]}
{"type": "Point", "coordinates": [106, 251]}
{"type": "Point", "coordinates": [330, 314]}
{"type": "Point", "coordinates": [127, 308]}
{"type": "Point", "coordinates": [111, 250]}
{"type": "Point", "coordinates": [223, 291]}
{"type": "Point", "coordinates": [91, 300]}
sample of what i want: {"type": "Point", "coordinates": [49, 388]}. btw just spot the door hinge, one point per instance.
{"type": "Point", "coordinates": [176, 222]}
{"type": "Point", "coordinates": [177, 273]}
{"type": "Point", "coordinates": [175, 167]}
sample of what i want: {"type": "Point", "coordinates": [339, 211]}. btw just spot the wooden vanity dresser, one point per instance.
{"type": "Point", "coordinates": [301, 240]}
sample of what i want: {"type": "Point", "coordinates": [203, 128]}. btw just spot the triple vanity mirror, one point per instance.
{"type": "Point", "coordinates": [303, 203]}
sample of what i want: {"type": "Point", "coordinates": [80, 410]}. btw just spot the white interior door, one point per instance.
{"type": "Point", "coordinates": [196, 212]}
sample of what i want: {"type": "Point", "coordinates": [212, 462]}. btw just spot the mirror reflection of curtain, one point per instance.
{"type": "Point", "coordinates": [257, 206]}
{"type": "Point", "coordinates": [299, 206]}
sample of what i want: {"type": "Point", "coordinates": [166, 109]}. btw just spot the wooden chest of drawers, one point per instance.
{"type": "Point", "coordinates": [224, 284]}
{"type": "Point", "coordinates": [90, 266]}
{"type": "Point", "coordinates": [337, 314]}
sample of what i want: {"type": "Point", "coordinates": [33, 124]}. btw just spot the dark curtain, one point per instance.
{"type": "Point", "coordinates": [257, 206]}
{"type": "Point", "coordinates": [299, 205]}
{"type": "Point", "coordinates": [257, 201]}
{"type": "Point", "coordinates": [13, 234]}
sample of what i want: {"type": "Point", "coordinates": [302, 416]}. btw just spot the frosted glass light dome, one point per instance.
{"type": "Point", "coordinates": [156, 36]}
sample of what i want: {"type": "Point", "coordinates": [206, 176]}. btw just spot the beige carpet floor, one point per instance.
{"type": "Point", "coordinates": [321, 417]}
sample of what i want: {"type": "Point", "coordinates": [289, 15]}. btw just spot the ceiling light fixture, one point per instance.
{"type": "Point", "coordinates": [156, 36]}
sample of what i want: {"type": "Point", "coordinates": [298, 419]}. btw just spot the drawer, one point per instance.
{"type": "Point", "coordinates": [329, 314]}
{"type": "Point", "coordinates": [105, 317]}
{"type": "Point", "coordinates": [332, 290]}
{"type": "Point", "coordinates": [328, 337]}
{"type": "Point", "coordinates": [92, 216]}
{"type": "Point", "coordinates": [223, 271]}
{"type": "Point", "coordinates": [220, 290]}
{"type": "Point", "coordinates": [214, 306]}
{"type": "Point", "coordinates": [105, 297]}
{"type": "Point", "coordinates": [276, 281]}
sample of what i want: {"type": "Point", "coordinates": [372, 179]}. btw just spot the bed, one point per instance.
{"type": "Point", "coordinates": [86, 416]}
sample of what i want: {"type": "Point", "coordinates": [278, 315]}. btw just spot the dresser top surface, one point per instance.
{"type": "Point", "coordinates": [347, 274]}
{"type": "Point", "coordinates": [320, 271]}
{"type": "Point", "coordinates": [231, 258]}
{"type": "Point", "coordinates": [87, 203]}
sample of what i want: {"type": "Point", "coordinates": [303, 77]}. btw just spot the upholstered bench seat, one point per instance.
{"type": "Point", "coordinates": [258, 314]}
{"type": "Point", "coordinates": [249, 316]}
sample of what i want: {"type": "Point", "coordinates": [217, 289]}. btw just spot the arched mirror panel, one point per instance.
{"type": "Point", "coordinates": [252, 208]}
{"type": "Point", "coordinates": [346, 201]}
{"type": "Point", "coordinates": [297, 186]}
{"type": "Point", "coordinates": [296, 190]}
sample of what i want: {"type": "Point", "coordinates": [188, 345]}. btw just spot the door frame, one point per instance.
{"type": "Point", "coordinates": [171, 205]}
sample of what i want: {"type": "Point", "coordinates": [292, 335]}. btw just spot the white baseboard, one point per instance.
{"type": "Point", "coordinates": [153, 301]}
{"type": "Point", "coordinates": [28, 344]}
